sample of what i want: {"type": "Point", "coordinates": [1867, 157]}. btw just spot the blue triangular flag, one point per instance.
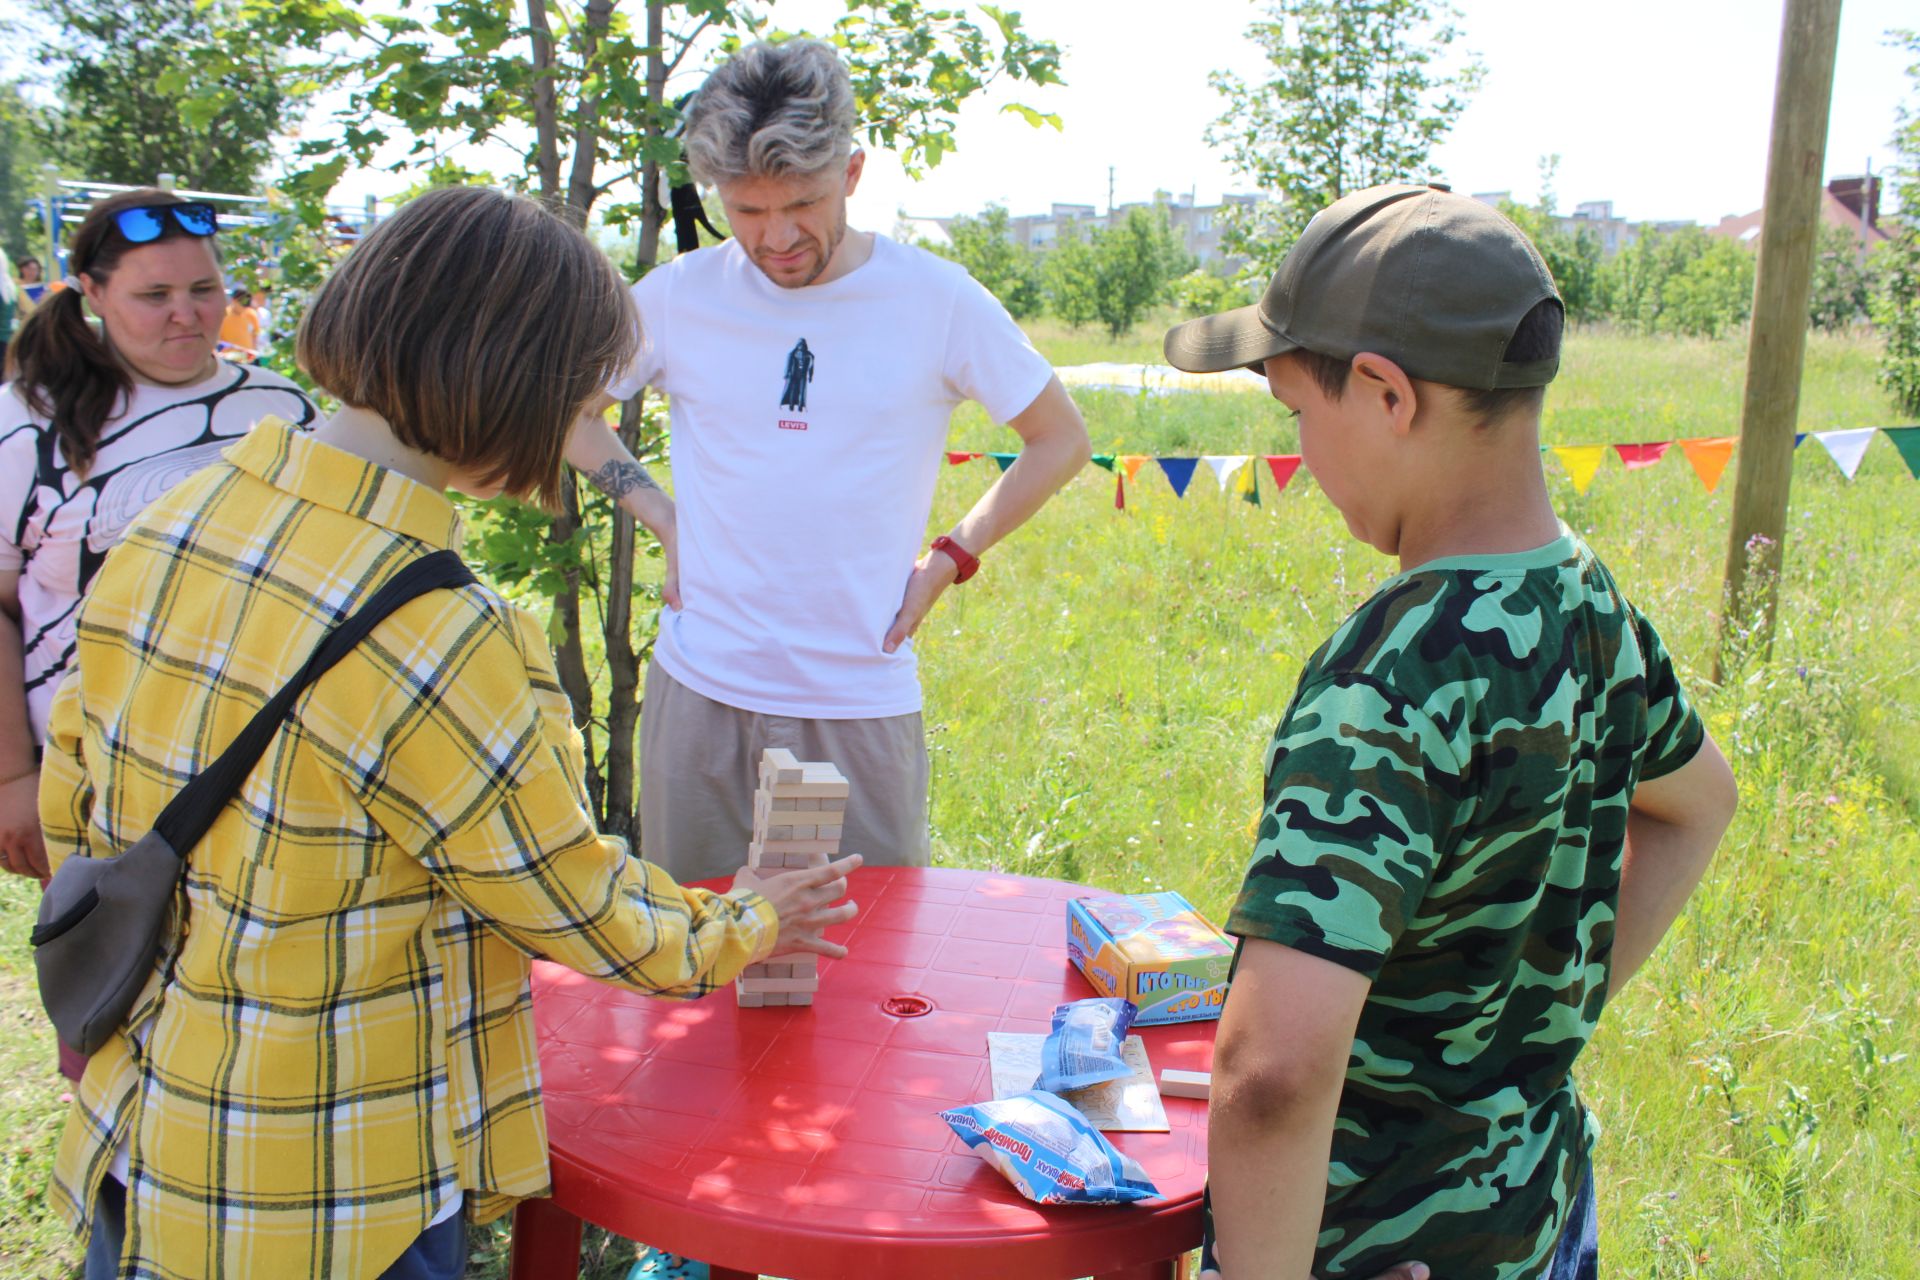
{"type": "Point", "coordinates": [1179, 473]}
{"type": "Point", "coordinates": [1004, 460]}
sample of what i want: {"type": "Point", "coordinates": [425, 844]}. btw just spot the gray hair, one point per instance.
{"type": "Point", "coordinates": [771, 110]}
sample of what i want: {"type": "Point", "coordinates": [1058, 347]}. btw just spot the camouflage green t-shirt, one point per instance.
{"type": "Point", "coordinates": [1445, 812]}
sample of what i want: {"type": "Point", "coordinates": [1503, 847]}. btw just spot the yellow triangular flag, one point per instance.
{"type": "Point", "coordinates": [1709, 458]}
{"type": "Point", "coordinates": [1132, 462]}
{"type": "Point", "coordinates": [1582, 462]}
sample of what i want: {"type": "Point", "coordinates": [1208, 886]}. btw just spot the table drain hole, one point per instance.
{"type": "Point", "coordinates": [907, 1006]}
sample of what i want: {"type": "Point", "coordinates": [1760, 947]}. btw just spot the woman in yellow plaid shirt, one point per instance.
{"type": "Point", "coordinates": [334, 1063]}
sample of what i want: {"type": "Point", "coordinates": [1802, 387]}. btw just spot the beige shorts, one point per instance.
{"type": "Point", "coordinates": [700, 763]}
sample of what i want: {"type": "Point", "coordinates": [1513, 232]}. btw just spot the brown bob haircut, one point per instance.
{"type": "Point", "coordinates": [479, 325]}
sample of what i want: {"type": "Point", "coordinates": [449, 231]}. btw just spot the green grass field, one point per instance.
{"type": "Point", "coordinates": [1099, 698]}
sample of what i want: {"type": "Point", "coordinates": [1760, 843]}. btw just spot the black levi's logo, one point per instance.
{"type": "Point", "coordinates": [799, 374]}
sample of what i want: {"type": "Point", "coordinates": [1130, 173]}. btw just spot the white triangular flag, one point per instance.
{"type": "Point", "coordinates": [1224, 465]}
{"type": "Point", "coordinates": [1847, 447]}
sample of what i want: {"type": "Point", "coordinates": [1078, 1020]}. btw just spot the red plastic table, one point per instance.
{"type": "Point", "coordinates": [806, 1142]}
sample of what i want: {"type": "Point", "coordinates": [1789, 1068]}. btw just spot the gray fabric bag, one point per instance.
{"type": "Point", "coordinates": [102, 920]}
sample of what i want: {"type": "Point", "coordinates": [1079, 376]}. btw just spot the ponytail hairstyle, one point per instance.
{"type": "Point", "coordinates": [58, 363]}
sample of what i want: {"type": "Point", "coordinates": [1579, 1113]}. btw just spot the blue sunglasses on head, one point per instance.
{"type": "Point", "coordinates": [146, 223]}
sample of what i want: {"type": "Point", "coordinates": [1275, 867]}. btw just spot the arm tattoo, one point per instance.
{"type": "Point", "coordinates": [617, 479]}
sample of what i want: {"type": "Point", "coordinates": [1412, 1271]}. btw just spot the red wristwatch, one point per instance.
{"type": "Point", "coordinates": [967, 562]}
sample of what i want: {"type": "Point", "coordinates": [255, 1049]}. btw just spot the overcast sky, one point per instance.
{"type": "Point", "coordinates": [1662, 106]}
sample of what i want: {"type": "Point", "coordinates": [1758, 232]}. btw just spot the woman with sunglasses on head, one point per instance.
{"type": "Point", "coordinates": [96, 423]}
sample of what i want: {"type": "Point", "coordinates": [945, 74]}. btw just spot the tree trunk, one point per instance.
{"type": "Point", "coordinates": [546, 108]}
{"type": "Point", "coordinates": [570, 654]}
{"type": "Point", "coordinates": [652, 214]}
{"type": "Point", "coordinates": [586, 134]}
{"type": "Point", "coordinates": [623, 662]}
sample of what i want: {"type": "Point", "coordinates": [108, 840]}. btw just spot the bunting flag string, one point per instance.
{"type": "Point", "coordinates": [1224, 466]}
{"type": "Point", "coordinates": [1582, 462]}
{"type": "Point", "coordinates": [1907, 441]}
{"type": "Point", "coordinates": [1708, 456]}
{"type": "Point", "coordinates": [1637, 456]}
{"type": "Point", "coordinates": [1283, 466]}
{"type": "Point", "coordinates": [1179, 473]}
{"type": "Point", "coordinates": [1847, 448]}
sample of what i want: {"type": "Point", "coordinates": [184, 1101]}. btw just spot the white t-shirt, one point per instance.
{"type": "Point", "coordinates": [56, 528]}
{"type": "Point", "coordinates": [808, 430]}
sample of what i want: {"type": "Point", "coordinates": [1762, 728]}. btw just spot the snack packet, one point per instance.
{"type": "Point", "coordinates": [1049, 1151]}
{"type": "Point", "coordinates": [1084, 1046]}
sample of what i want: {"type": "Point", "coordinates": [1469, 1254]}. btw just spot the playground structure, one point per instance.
{"type": "Point", "coordinates": [67, 201]}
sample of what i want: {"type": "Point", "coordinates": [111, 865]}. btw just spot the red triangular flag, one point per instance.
{"type": "Point", "coordinates": [1637, 456]}
{"type": "Point", "coordinates": [1283, 466]}
{"type": "Point", "coordinates": [1119, 491]}
{"type": "Point", "coordinates": [955, 459]}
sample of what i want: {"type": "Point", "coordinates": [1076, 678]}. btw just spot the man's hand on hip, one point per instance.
{"type": "Point", "coordinates": [932, 574]}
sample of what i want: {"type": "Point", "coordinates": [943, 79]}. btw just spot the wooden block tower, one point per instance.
{"type": "Point", "coordinates": [798, 813]}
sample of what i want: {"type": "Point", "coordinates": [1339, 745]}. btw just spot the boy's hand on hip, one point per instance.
{"type": "Point", "coordinates": [932, 574]}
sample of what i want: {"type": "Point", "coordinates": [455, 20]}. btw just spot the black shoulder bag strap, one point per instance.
{"type": "Point", "coordinates": [188, 815]}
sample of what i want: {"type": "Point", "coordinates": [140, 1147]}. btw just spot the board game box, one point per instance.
{"type": "Point", "coordinates": [1153, 949]}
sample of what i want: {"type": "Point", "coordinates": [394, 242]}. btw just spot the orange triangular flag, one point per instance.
{"type": "Point", "coordinates": [1132, 462]}
{"type": "Point", "coordinates": [1709, 458]}
{"type": "Point", "coordinates": [1582, 462]}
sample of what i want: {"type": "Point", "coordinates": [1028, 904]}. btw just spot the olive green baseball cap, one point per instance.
{"type": "Point", "coordinates": [1434, 281]}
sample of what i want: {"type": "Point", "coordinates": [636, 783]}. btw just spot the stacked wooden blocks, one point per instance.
{"type": "Point", "coordinates": [798, 813]}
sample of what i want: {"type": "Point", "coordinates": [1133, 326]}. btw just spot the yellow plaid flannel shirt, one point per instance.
{"type": "Point", "coordinates": [343, 1035]}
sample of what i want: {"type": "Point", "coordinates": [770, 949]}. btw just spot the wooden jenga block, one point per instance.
{"type": "Point", "coordinates": [799, 846]}
{"type": "Point", "coordinates": [811, 791]}
{"type": "Point", "coordinates": [826, 833]}
{"type": "Point", "coordinates": [800, 997]}
{"type": "Point", "coordinates": [783, 768]}
{"type": "Point", "coordinates": [778, 970]}
{"type": "Point", "coordinates": [749, 999]}
{"type": "Point", "coordinates": [778, 986]}
{"type": "Point", "coordinates": [804, 806]}
{"type": "Point", "coordinates": [802, 861]}
{"type": "Point", "coordinates": [1185, 1084]}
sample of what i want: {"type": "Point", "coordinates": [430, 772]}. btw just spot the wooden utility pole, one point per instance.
{"type": "Point", "coordinates": [1796, 162]}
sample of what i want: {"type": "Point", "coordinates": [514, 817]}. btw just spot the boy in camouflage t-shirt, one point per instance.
{"type": "Point", "coordinates": [1487, 802]}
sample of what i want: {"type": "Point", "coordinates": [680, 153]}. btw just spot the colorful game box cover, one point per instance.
{"type": "Point", "coordinates": [1153, 949]}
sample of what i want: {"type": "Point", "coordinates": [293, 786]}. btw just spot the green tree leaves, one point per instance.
{"type": "Point", "coordinates": [1358, 93]}
{"type": "Point", "coordinates": [1007, 270]}
{"type": "Point", "coordinates": [1896, 312]}
{"type": "Point", "coordinates": [1682, 281]}
{"type": "Point", "coordinates": [165, 86]}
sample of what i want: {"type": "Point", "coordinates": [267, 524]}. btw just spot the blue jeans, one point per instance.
{"type": "Point", "coordinates": [1577, 1256]}
{"type": "Point", "coordinates": [438, 1253]}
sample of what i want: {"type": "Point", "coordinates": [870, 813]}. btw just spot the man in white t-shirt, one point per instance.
{"type": "Point", "coordinates": [812, 372]}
